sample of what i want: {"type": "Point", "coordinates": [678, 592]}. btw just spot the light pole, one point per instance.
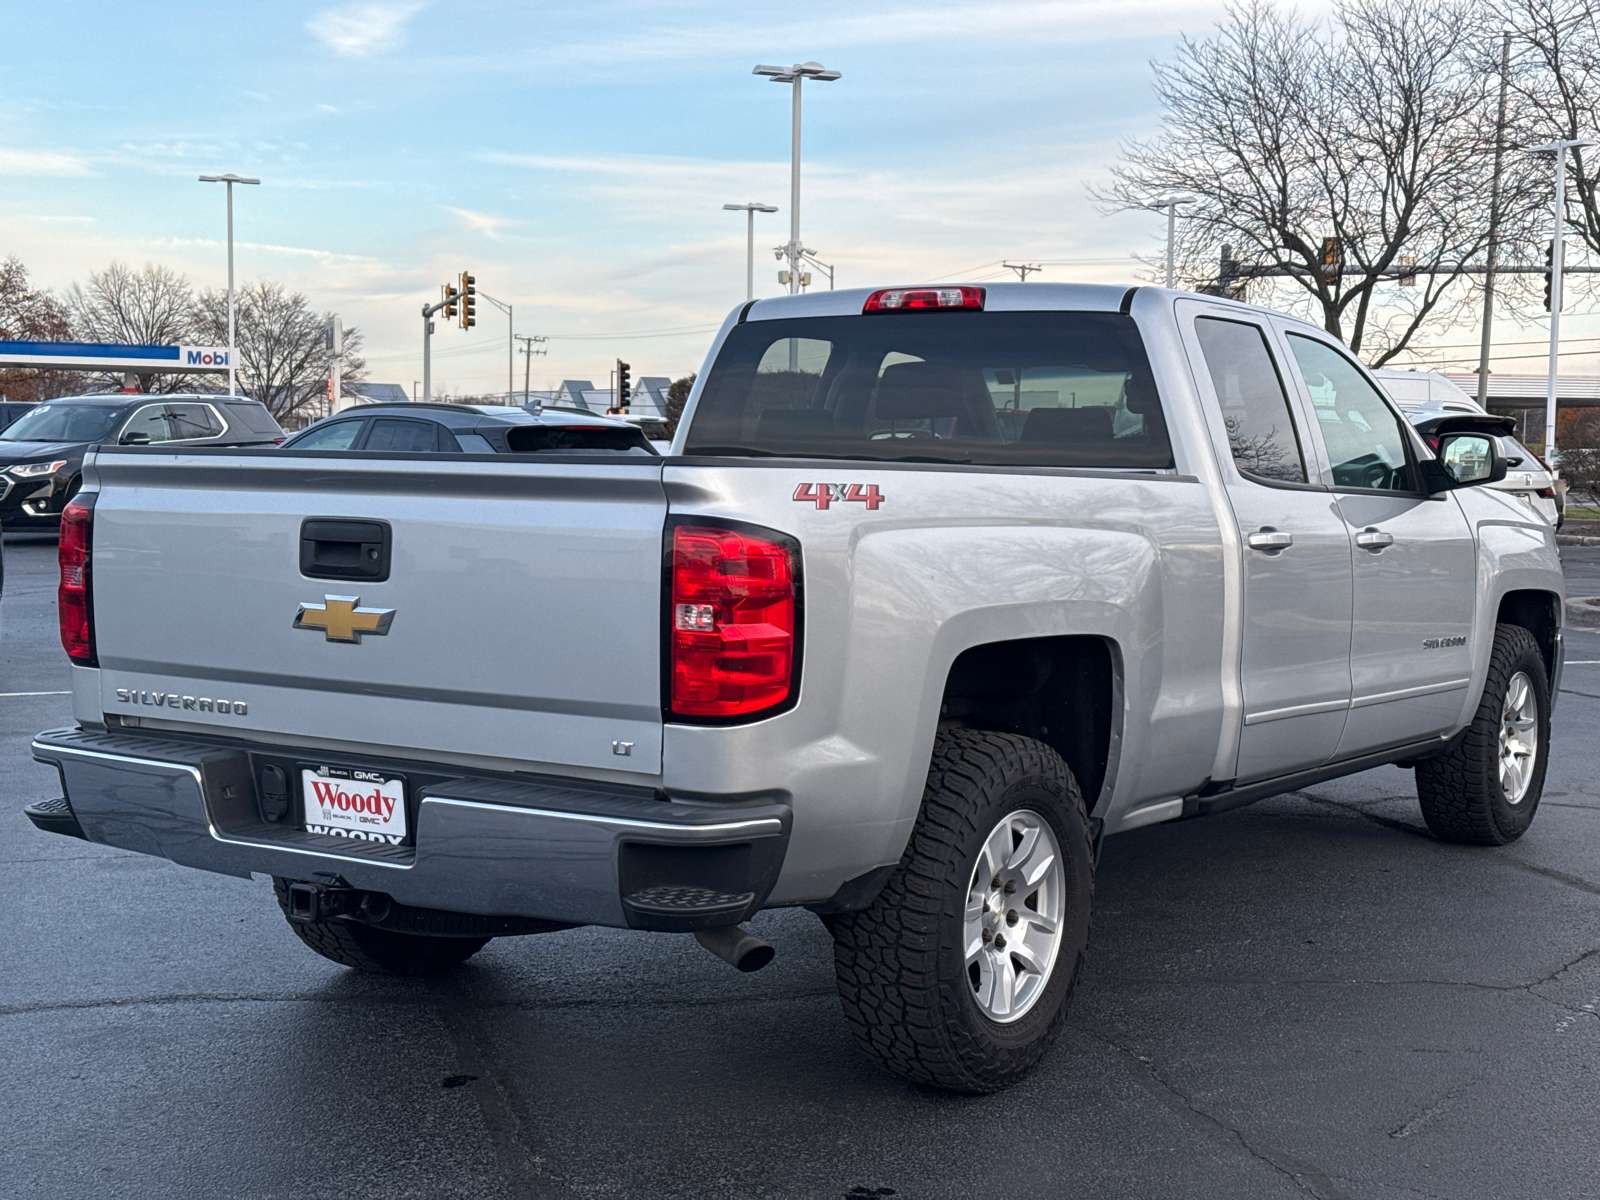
{"type": "Point", "coordinates": [794, 75]}
{"type": "Point", "coordinates": [1558, 248]}
{"type": "Point", "coordinates": [511, 342]}
{"type": "Point", "coordinates": [1171, 205]}
{"type": "Point", "coordinates": [750, 210]}
{"type": "Point", "coordinates": [233, 352]}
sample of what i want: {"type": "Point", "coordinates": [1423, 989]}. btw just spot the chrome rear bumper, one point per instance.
{"type": "Point", "coordinates": [557, 850]}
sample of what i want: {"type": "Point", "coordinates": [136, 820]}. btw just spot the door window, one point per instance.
{"type": "Point", "coordinates": [152, 420]}
{"type": "Point", "coordinates": [1365, 441]}
{"type": "Point", "coordinates": [1255, 408]}
{"type": "Point", "coordinates": [336, 435]}
{"type": "Point", "coordinates": [402, 436]}
{"type": "Point", "coordinates": [186, 421]}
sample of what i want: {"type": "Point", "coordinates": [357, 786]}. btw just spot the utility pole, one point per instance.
{"type": "Point", "coordinates": [528, 342]}
{"type": "Point", "coordinates": [1558, 245]}
{"type": "Point", "coordinates": [233, 352]}
{"type": "Point", "coordinates": [794, 75]}
{"type": "Point", "coordinates": [1022, 269]}
{"type": "Point", "coordinates": [1494, 221]}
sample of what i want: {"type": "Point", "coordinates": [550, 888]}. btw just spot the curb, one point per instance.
{"type": "Point", "coordinates": [1584, 613]}
{"type": "Point", "coordinates": [1573, 539]}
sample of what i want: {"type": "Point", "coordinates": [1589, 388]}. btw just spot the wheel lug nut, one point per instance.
{"type": "Point", "coordinates": [1000, 941]}
{"type": "Point", "coordinates": [1011, 917]}
{"type": "Point", "coordinates": [987, 935]}
{"type": "Point", "coordinates": [995, 882]}
{"type": "Point", "coordinates": [1011, 886]}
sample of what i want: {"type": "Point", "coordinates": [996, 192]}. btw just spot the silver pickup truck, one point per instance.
{"type": "Point", "coordinates": [938, 587]}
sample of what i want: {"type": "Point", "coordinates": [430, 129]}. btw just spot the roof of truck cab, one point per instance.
{"type": "Point", "coordinates": [998, 297]}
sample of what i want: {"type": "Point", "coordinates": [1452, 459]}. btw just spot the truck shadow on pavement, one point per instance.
{"type": "Point", "coordinates": [1288, 999]}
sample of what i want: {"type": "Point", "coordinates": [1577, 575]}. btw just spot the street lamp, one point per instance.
{"type": "Point", "coordinates": [233, 351]}
{"type": "Point", "coordinates": [511, 343]}
{"type": "Point", "coordinates": [1558, 248]}
{"type": "Point", "coordinates": [751, 210]}
{"type": "Point", "coordinates": [795, 75]}
{"type": "Point", "coordinates": [1171, 205]}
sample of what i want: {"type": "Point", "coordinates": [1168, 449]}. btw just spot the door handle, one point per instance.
{"type": "Point", "coordinates": [1269, 540]}
{"type": "Point", "coordinates": [1374, 539]}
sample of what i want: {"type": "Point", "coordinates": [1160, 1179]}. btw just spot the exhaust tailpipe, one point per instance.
{"type": "Point", "coordinates": [736, 946]}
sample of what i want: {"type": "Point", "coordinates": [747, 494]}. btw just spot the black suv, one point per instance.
{"type": "Point", "coordinates": [437, 428]}
{"type": "Point", "coordinates": [41, 453]}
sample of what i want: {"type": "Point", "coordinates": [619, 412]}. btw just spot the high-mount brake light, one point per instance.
{"type": "Point", "coordinates": [75, 595]}
{"type": "Point", "coordinates": [907, 299]}
{"type": "Point", "coordinates": [733, 622]}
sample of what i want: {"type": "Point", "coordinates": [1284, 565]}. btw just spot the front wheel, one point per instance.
{"type": "Point", "coordinates": [959, 973]}
{"type": "Point", "coordinates": [1485, 789]}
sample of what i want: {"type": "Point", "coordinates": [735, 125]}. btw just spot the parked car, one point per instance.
{"type": "Point", "coordinates": [42, 452]}
{"type": "Point", "coordinates": [1426, 396]}
{"type": "Point", "coordinates": [423, 428]}
{"type": "Point", "coordinates": [942, 586]}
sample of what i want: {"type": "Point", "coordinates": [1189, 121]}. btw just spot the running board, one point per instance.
{"type": "Point", "coordinates": [1217, 798]}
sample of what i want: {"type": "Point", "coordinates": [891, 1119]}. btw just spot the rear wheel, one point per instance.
{"type": "Point", "coordinates": [1485, 789]}
{"type": "Point", "coordinates": [382, 951]}
{"type": "Point", "coordinates": [958, 975]}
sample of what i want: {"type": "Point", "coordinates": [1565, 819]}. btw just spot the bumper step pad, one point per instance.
{"type": "Point", "coordinates": [54, 816]}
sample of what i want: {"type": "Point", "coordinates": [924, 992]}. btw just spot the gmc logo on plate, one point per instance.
{"type": "Point", "coordinates": [825, 494]}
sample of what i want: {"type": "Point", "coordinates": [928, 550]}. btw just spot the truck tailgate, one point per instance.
{"type": "Point", "coordinates": [525, 600]}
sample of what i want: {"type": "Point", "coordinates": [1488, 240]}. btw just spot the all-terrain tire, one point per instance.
{"type": "Point", "coordinates": [1460, 790]}
{"type": "Point", "coordinates": [381, 951]}
{"type": "Point", "coordinates": [900, 964]}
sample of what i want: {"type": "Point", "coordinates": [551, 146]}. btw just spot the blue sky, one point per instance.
{"type": "Point", "coordinates": [574, 156]}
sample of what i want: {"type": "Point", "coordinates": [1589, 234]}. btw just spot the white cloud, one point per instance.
{"type": "Point", "coordinates": [42, 162]}
{"type": "Point", "coordinates": [485, 223]}
{"type": "Point", "coordinates": [360, 30]}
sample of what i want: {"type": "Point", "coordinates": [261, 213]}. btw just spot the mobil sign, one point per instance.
{"type": "Point", "coordinates": [204, 356]}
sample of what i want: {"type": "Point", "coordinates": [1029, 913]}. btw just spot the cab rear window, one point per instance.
{"type": "Point", "coordinates": [1050, 389]}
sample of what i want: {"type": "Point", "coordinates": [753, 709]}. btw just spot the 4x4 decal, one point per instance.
{"type": "Point", "coordinates": [824, 494]}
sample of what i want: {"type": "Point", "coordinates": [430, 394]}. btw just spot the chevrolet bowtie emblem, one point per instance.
{"type": "Point", "coordinates": [341, 620]}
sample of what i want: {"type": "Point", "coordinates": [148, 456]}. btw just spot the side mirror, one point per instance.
{"type": "Point", "coordinates": [134, 437]}
{"type": "Point", "coordinates": [1471, 458]}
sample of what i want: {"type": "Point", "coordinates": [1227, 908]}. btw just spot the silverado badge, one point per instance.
{"type": "Point", "coordinates": [341, 619]}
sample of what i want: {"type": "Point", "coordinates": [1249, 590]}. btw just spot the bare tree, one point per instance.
{"type": "Point", "coordinates": [1371, 128]}
{"type": "Point", "coordinates": [1557, 81]}
{"type": "Point", "coordinates": [29, 314]}
{"type": "Point", "coordinates": [152, 307]}
{"type": "Point", "coordinates": [283, 359]}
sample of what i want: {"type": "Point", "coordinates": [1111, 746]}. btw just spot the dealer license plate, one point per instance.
{"type": "Point", "coordinates": [344, 802]}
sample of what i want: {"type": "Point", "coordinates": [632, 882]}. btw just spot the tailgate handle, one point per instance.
{"type": "Point", "coordinates": [337, 548]}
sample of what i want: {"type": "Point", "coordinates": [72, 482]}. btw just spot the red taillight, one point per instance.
{"type": "Point", "coordinates": [733, 622]}
{"type": "Point", "coordinates": [74, 597]}
{"type": "Point", "coordinates": [906, 299]}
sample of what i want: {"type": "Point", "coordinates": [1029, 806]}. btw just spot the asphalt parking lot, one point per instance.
{"type": "Point", "coordinates": [1308, 996]}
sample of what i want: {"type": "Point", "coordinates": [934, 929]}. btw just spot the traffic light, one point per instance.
{"type": "Point", "coordinates": [624, 391]}
{"type": "Point", "coordinates": [449, 301]}
{"type": "Point", "coordinates": [469, 302]}
{"type": "Point", "coordinates": [1331, 260]}
{"type": "Point", "coordinates": [1549, 275]}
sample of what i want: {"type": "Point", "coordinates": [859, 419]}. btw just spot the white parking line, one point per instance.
{"type": "Point", "coordinates": [1583, 662]}
{"type": "Point", "coordinates": [9, 695]}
